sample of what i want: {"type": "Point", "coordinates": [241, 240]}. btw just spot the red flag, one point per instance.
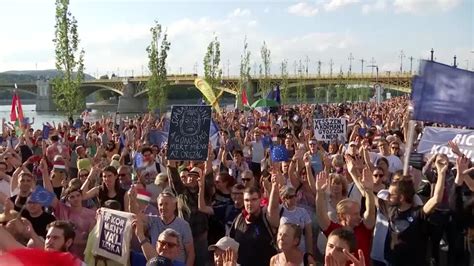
{"type": "Point", "coordinates": [245, 101]}
{"type": "Point", "coordinates": [29, 256]}
{"type": "Point", "coordinates": [19, 110]}
{"type": "Point", "coordinates": [13, 116]}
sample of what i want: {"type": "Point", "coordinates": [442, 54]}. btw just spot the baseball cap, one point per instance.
{"type": "Point", "coordinates": [225, 243]}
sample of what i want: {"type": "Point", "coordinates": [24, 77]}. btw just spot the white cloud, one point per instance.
{"type": "Point", "coordinates": [238, 12]}
{"type": "Point", "coordinates": [303, 9]}
{"type": "Point", "coordinates": [423, 6]}
{"type": "Point", "coordinates": [336, 4]}
{"type": "Point", "coordinates": [378, 5]}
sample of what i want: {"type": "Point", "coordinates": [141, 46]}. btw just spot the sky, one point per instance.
{"type": "Point", "coordinates": [115, 33]}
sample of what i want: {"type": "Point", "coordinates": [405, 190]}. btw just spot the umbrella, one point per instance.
{"type": "Point", "coordinates": [265, 103]}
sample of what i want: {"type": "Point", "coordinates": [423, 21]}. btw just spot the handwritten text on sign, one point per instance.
{"type": "Point", "coordinates": [330, 129]}
{"type": "Point", "coordinates": [111, 237]}
{"type": "Point", "coordinates": [188, 137]}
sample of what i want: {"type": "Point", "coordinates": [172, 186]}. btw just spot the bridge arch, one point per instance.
{"type": "Point", "coordinates": [20, 90]}
{"type": "Point", "coordinates": [91, 88]}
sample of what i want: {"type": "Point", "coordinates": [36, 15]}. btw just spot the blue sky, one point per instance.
{"type": "Point", "coordinates": [115, 34]}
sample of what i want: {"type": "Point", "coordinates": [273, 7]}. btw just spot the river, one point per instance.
{"type": "Point", "coordinates": [43, 117]}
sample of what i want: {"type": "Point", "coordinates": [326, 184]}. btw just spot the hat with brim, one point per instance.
{"type": "Point", "coordinates": [224, 244]}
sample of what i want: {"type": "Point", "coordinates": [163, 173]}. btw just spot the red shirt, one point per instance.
{"type": "Point", "coordinates": [363, 238]}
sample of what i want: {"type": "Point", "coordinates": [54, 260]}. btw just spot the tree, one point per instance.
{"type": "Point", "coordinates": [284, 91]}
{"type": "Point", "coordinates": [301, 93]}
{"type": "Point", "coordinates": [212, 70]}
{"type": "Point", "coordinates": [244, 72]}
{"type": "Point", "coordinates": [264, 79]}
{"type": "Point", "coordinates": [157, 83]}
{"type": "Point", "coordinates": [69, 62]}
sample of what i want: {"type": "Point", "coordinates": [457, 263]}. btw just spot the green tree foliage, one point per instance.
{"type": "Point", "coordinates": [69, 62]}
{"type": "Point", "coordinates": [264, 80]}
{"type": "Point", "coordinates": [301, 93]}
{"type": "Point", "coordinates": [212, 69]}
{"type": "Point", "coordinates": [244, 72]}
{"type": "Point", "coordinates": [157, 54]}
{"type": "Point", "coordinates": [284, 91]}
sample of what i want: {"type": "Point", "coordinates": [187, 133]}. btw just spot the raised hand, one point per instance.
{"type": "Point", "coordinates": [322, 181]}
{"type": "Point", "coordinates": [441, 163]}
{"type": "Point", "coordinates": [462, 164]}
{"type": "Point", "coordinates": [355, 261]}
{"type": "Point", "coordinates": [307, 160]}
{"type": "Point", "coordinates": [454, 147]}
{"type": "Point", "coordinates": [367, 180]}
{"type": "Point", "coordinates": [229, 258]}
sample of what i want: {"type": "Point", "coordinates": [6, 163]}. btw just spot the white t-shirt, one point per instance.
{"type": "Point", "coordinates": [394, 163]}
{"type": "Point", "coordinates": [258, 152]}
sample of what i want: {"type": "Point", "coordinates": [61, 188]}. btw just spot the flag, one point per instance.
{"type": "Point", "coordinates": [13, 115]}
{"type": "Point", "coordinates": [245, 101]}
{"type": "Point", "coordinates": [279, 154]}
{"type": "Point", "coordinates": [214, 135]}
{"type": "Point", "coordinates": [33, 256]}
{"type": "Point", "coordinates": [138, 162]}
{"type": "Point", "coordinates": [157, 137]}
{"type": "Point", "coordinates": [208, 93]}
{"type": "Point", "coordinates": [42, 196]}
{"type": "Point", "coordinates": [276, 94]}
{"type": "Point", "coordinates": [443, 94]}
{"type": "Point", "coordinates": [16, 113]}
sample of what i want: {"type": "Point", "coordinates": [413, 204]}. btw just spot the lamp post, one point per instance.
{"type": "Point", "coordinates": [378, 94]}
{"type": "Point", "coordinates": [454, 64]}
{"type": "Point", "coordinates": [432, 52]}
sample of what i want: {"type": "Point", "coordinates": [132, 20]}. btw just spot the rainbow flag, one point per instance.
{"type": "Point", "coordinates": [16, 113]}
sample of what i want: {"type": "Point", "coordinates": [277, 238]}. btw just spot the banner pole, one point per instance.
{"type": "Point", "coordinates": [409, 144]}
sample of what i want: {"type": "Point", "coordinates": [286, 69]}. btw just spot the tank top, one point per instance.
{"type": "Point", "coordinates": [103, 197]}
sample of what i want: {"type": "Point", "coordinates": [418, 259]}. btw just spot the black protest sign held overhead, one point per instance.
{"type": "Point", "coordinates": [188, 137]}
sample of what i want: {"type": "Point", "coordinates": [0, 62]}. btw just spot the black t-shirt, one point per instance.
{"type": "Point", "coordinates": [407, 237]}
{"type": "Point", "coordinates": [39, 223]}
{"type": "Point", "coordinates": [18, 204]}
{"type": "Point", "coordinates": [255, 241]}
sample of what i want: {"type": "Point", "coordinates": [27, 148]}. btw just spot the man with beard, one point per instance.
{"type": "Point", "coordinates": [407, 223]}
{"type": "Point", "coordinates": [59, 238]}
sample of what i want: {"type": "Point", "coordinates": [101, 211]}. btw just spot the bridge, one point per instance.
{"type": "Point", "coordinates": [132, 90]}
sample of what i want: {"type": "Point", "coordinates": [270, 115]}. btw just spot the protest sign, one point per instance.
{"type": "Point", "coordinates": [114, 235]}
{"type": "Point", "coordinates": [443, 94]}
{"type": "Point", "coordinates": [188, 137]}
{"type": "Point", "coordinates": [435, 140]}
{"type": "Point", "coordinates": [328, 129]}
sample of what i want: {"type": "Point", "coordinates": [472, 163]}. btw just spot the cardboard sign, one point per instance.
{"type": "Point", "coordinates": [435, 140]}
{"type": "Point", "coordinates": [188, 137]}
{"type": "Point", "coordinates": [328, 129]}
{"type": "Point", "coordinates": [114, 235]}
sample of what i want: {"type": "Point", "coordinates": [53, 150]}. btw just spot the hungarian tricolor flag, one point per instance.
{"type": "Point", "coordinates": [245, 101]}
{"type": "Point", "coordinates": [16, 113]}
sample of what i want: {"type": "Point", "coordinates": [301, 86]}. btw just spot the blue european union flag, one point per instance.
{"type": "Point", "coordinates": [157, 137]}
{"type": "Point", "coordinates": [279, 154]}
{"type": "Point", "coordinates": [42, 196]}
{"type": "Point", "coordinates": [267, 141]}
{"type": "Point", "coordinates": [214, 135]}
{"type": "Point", "coordinates": [443, 94]}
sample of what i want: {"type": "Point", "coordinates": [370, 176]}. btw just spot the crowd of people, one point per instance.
{"type": "Point", "coordinates": [339, 202]}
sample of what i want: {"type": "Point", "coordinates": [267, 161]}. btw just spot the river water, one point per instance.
{"type": "Point", "coordinates": [43, 117]}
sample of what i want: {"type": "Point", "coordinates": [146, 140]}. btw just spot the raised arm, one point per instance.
{"type": "Point", "coordinates": [86, 193]}
{"type": "Point", "coordinates": [370, 211]}
{"type": "Point", "coordinates": [176, 182]}
{"type": "Point", "coordinates": [201, 198]}
{"type": "Point", "coordinates": [273, 206]}
{"type": "Point", "coordinates": [322, 183]}
{"type": "Point", "coordinates": [147, 248]}
{"type": "Point", "coordinates": [441, 167]}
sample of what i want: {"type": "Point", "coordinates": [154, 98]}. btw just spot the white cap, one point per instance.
{"type": "Point", "coordinates": [225, 243]}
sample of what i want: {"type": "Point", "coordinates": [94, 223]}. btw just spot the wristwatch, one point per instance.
{"type": "Point", "coordinates": [144, 241]}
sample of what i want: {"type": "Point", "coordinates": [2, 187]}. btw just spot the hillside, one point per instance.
{"type": "Point", "coordinates": [30, 76]}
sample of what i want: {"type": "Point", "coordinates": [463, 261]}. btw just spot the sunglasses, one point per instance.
{"type": "Point", "coordinates": [378, 175]}
{"type": "Point", "coordinates": [395, 148]}
{"type": "Point", "coordinates": [245, 179]}
{"type": "Point", "coordinates": [86, 174]}
{"type": "Point", "coordinates": [121, 175]}
{"type": "Point", "coordinates": [290, 196]}
{"type": "Point", "coordinates": [167, 244]}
